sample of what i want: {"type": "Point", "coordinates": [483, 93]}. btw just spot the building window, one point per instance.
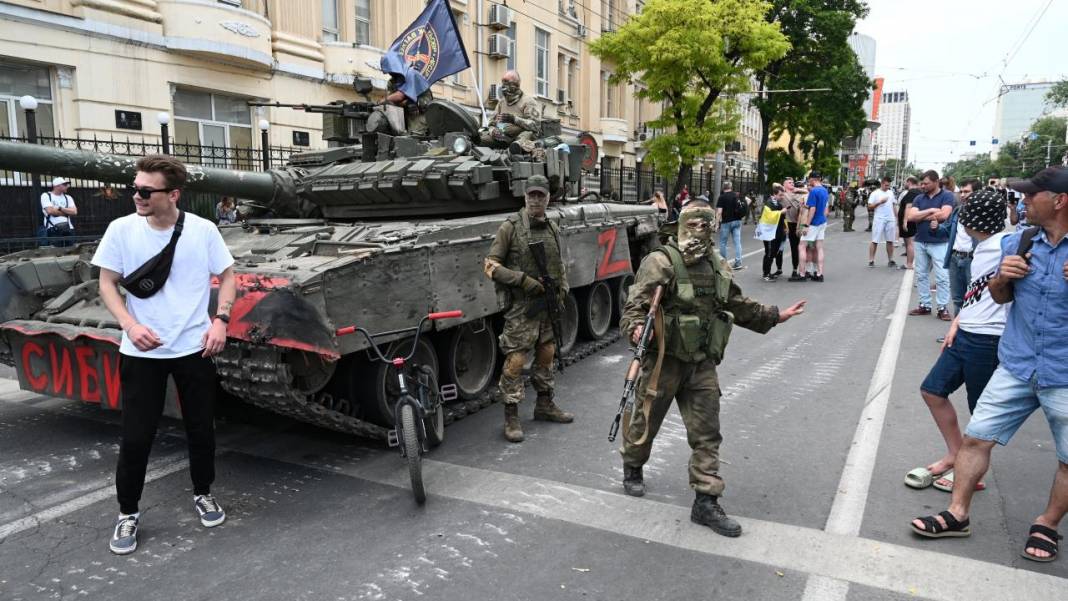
{"type": "Point", "coordinates": [363, 22]}
{"type": "Point", "coordinates": [212, 121]}
{"type": "Point", "coordinates": [541, 63]}
{"type": "Point", "coordinates": [511, 55]}
{"type": "Point", "coordinates": [572, 67]}
{"type": "Point", "coordinates": [608, 18]}
{"type": "Point", "coordinates": [330, 22]}
{"type": "Point", "coordinates": [17, 81]}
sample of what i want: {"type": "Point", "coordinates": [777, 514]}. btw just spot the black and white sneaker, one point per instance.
{"type": "Point", "coordinates": [871, 263]}
{"type": "Point", "coordinates": [892, 264]}
{"type": "Point", "coordinates": [210, 512]}
{"type": "Point", "coordinates": [768, 278]}
{"type": "Point", "coordinates": [124, 537]}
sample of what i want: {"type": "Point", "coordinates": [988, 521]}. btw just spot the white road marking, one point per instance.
{"type": "Point", "coordinates": [835, 559]}
{"type": "Point", "coordinates": [105, 489]}
{"type": "Point", "coordinates": [847, 511]}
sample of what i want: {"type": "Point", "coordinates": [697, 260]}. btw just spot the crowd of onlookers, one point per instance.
{"type": "Point", "coordinates": [998, 254]}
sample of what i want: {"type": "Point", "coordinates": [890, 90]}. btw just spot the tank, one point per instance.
{"type": "Point", "coordinates": [377, 233]}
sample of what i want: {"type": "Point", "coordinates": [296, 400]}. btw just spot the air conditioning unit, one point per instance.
{"type": "Point", "coordinates": [500, 16]}
{"type": "Point", "coordinates": [500, 46]}
{"type": "Point", "coordinates": [492, 92]}
{"type": "Point", "coordinates": [561, 96]}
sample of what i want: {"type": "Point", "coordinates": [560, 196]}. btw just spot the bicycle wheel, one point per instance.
{"type": "Point", "coordinates": [410, 439]}
{"type": "Point", "coordinates": [435, 426]}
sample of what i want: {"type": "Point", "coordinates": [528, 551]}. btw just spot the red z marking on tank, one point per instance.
{"type": "Point", "coordinates": [608, 268]}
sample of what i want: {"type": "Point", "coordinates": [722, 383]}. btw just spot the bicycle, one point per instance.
{"type": "Point", "coordinates": [419, 421]}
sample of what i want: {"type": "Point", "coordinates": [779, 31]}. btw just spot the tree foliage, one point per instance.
{"type": "Point", "coordinates": [1018, 159]}
{"type": "Point", "coordinates": [1058, 95]}
{"type": "Point", "coordinates": [692, 56]}
{"type": "Point", "coordinates": [819, 57]}
{"type": "Point", "coordinates": [782, 165]}
{"type": "Point", "coordinates": [896, 168]}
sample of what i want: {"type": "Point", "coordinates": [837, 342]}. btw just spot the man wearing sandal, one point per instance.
{"type": "Point", "coordinates": [970, 350]}
{"type": "Point", "coordinates": [1034, 363]}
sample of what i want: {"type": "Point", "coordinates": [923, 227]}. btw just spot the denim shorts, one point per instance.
{"type": "Point", "coordinates": [1008, 401]}
{"type": "Point", "coordinates": [970, 361]}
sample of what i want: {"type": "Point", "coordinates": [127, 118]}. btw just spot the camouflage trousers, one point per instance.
{"type": "Point", "coordinates": [695, 387]}
{"type": "Point", "coordinates": [847, 216]}
{"type": "Point", "coordinates": [521, 335]}
{"type": "Point", "coordinates": [525, 139]}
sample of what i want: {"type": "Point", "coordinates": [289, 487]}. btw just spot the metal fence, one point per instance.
{"type": "Point", "coordinates": [101, 202]}
{"type": "Point", "coordinates": [628, 184]}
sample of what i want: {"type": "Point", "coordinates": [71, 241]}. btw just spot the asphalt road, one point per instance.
{"type": "Point", "coordinates": [821, 419]}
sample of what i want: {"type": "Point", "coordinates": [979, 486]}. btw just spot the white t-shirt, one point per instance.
{"type": "Point", "coordinates": [963, 242]}
{"type": "Point", "coordinates": [178, 313]}
{"type": "Point", "coordinates": [63, 201]}
{"type": "Point", "coordinates": [885, 210]}
{"type": "Point", "coordinates": [980, 314]}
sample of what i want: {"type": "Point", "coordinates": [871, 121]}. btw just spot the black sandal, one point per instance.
{"type": "Point", "coordinates": [1033, 542]}
{"type": "Point", "coordinates": [932, 528]}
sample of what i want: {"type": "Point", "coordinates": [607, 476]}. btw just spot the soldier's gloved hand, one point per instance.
{"type": "Point", "coordinates": [532, 286]}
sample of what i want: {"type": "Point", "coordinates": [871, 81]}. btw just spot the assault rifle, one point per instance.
{"type": "Point", "coordinates": [552, 296]}
{"type": "Point", "coordinates": [627, 402]}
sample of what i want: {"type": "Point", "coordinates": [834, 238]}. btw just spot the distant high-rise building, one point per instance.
{"type": "Point", "coordinates": [895, 118]}
{"type": "Point", "coordinates": [1020, 105]}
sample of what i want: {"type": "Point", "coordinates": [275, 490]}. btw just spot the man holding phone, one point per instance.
{"type": "Point", "coordinates": [166, 332]}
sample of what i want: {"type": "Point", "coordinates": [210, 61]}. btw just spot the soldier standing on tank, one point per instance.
{"type": "Point", "coordinates": [527, 327]}
{"type": "Point", "coordinates": [700, 303]}
{"type": "Point", "coordinates": [515, 122]}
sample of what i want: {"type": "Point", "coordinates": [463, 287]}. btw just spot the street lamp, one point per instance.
{"type": "Point", "coordinates": [29, 104]}
{"type": "Point", "coordinates": [164, 119]}
{"type": "Point", "coordinates": [639, 157]}
{"type": "Point", "coordinates": [264, 144]}
{"type": "Point", "coordinates": [1049, 145]}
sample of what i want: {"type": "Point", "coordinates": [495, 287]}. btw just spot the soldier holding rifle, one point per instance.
{"type": "Point", "coordinates": [699, 304]}
{"type": "Point", "coordinates": [533, 294]}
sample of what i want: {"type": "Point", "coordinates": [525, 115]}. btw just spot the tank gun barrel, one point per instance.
{"type": "Point", "coordinates": [273, 187]}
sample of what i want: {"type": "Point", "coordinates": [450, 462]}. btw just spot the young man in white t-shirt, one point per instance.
{"type": "Point", "coordinates": [970, 350]}
{"type": "Point", "coordinates": [167, 334]}
{"type": "Point", "coordinates": [57, 208]}
{"type": "Point", "coordinates": [884, 224]}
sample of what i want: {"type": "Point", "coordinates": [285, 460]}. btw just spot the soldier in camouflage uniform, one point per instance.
{"type": "Point", "coordinates": [701, 302]}
{"type": "Point", "coordinates": [849, 207]}
{"type": "Point", "coordinates": [516, 122]}
{"type": "Point", "coordinates": [527, 327]}
{"type": "Point", "coordinates": [414, 112]}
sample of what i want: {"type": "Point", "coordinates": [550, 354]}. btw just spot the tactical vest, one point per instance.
{"type": "Point", "coordinates": [519, 255]}
{"type": "Point", "coordinates": [697, 324]}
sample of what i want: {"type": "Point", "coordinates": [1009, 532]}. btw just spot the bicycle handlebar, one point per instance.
{"type": "Point", "coordinates": [415, 341]}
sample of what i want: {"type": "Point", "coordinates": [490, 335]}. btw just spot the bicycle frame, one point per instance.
{"type": "Point", "coordinates": [421, 404]}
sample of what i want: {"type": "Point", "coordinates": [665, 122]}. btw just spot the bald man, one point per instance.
{"type": "Point", "coordinates": [515, 123]}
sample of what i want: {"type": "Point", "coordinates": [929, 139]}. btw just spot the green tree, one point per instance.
{"type": "Point", "coordinates": [781, 165]}
{"type": "Point", "coordinates": [1058, 95]}
{"type": "Point", "coordinates": [692, 56]}
{"type": "Point", "coordinates": [896, 168]}
{"type": "Point", "coordinates": [819, 57]}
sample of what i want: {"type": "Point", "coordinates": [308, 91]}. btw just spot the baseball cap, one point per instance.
{"type": "Point", "coordinates": [985, 212]}
{"type": "Point", "coordinates": [59, 181]}
{"type": "Point", "coordinates": [538, 183]}
{"type": "Point", "coordinates": [1050, 179]}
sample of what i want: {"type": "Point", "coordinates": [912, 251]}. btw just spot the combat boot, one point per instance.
{"type": "Point", "coordinates": [547, 411]}
{"type": "Point", "coordinates": [707, 512]}
{"type": "Point", "coordinates": [633, 482]}
{"type": "Point", "coordinates": [512, 430]}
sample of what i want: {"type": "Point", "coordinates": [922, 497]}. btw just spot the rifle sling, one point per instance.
{"type": "Point", "coordinates": [654, 381]}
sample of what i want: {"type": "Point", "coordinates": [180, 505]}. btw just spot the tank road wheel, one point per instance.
{"type": "Point", "coordinates": [595, 310]}
{"type": "Point", "coordinates": [620, 289]}
{"type": "Point", "coordinates": [569, 321]}
{"type": "Point", "coordinates": [378, 390]}
{"type": "Point", "coordinates": [412, 451]}
{"type": "Point", "coordinates": [469, 356]}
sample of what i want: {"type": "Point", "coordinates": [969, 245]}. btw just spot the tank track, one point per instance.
{"type": "Point", "coordinates": [258, 376]}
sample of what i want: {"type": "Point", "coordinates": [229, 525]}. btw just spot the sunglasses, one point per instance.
{"type": "Point", "coordinates": [145, 192]}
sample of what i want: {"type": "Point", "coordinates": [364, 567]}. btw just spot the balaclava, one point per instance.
{"type": "Point", "coordinates": [695, 233]}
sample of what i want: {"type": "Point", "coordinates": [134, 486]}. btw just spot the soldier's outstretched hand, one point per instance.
{"type": "Point", "coordinates": [793, 310]}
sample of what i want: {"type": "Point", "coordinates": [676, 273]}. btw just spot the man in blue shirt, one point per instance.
{"type": "Point", "coordinates": [929, 209]}
{"type": "Point", "coordinates": [812, 223]}
{"type": "Point", "coordinates": [1033, 370]}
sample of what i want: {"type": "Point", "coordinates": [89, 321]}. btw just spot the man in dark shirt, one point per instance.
{"type": "Point", "coordinates": [927, 211]}
{"type": "Point", "coordinates": [908, 230]}
{"type": "Point", "coordinates": [729, 210]}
